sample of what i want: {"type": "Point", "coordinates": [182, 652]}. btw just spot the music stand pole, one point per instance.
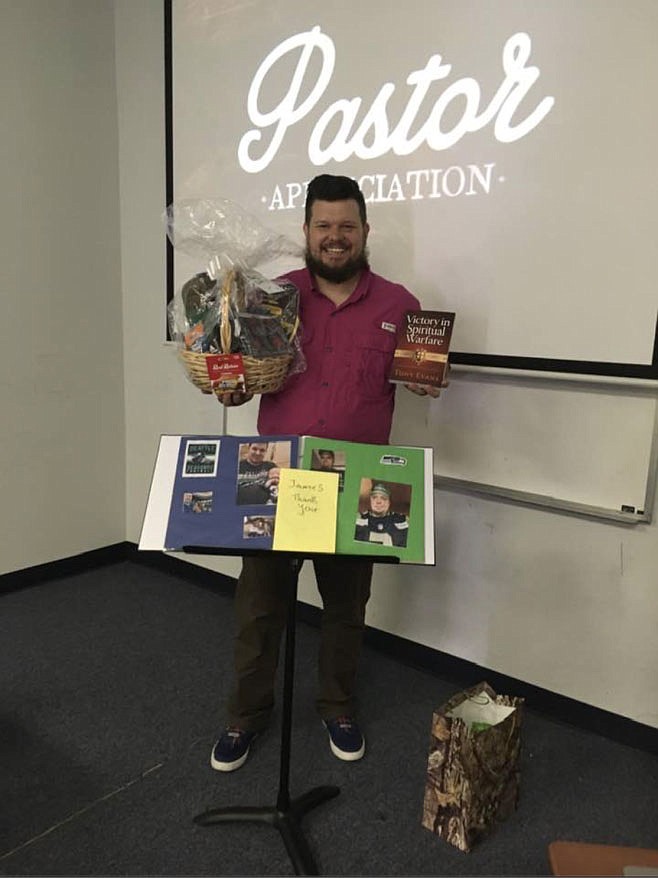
{"type": "Point", "coordinates": [286, 814]}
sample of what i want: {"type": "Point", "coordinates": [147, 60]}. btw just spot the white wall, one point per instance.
{"type": "Point", "coordinates": [159, 398]}
{"type": "Point", "coordinates": [62, 455]}
{"type": "Point", "coordinates": [565, 603]}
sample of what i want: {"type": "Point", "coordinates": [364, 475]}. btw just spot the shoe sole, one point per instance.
{"type": "Point", "coordinates": [347, 755]}
{"type": "Point", "coordinates": [229, 766]}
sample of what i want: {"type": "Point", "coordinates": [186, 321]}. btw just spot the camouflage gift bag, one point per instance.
{"type": "Point", "coordinates": [473, 765]}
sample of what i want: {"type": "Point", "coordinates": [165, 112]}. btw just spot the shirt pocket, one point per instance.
{"type": "Point", "coordinates": [374, 356]}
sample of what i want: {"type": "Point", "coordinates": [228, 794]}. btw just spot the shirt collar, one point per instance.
{"type": "Point", "coordinates": [360, 291]}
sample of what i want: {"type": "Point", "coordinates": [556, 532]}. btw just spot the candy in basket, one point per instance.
{"type": "Point", "coordinates": [234, 328]}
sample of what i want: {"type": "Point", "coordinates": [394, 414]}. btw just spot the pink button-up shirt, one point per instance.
{"type": "Point", "coordinates": [344, 392]}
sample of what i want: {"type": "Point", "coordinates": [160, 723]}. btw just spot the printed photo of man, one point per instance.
{"type": "Point", "coordinates": [379, 523]}
{"type": "Point", "coordinates": [328, 461]}
{"type": "Point", "coordinates": [258, 475]}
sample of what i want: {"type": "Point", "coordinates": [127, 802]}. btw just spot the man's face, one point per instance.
{"type": "Point", "coordinates": [336, 240]}
{"type": "Point", "coordinates": [379, 503]}
{"type": "Point", "coordinates": [257, 452]}
{"type": "Point", "coordinates": [326, 460]}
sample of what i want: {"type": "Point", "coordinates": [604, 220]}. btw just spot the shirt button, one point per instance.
{"type": "Point", "coordinates": [325, 384]}
{"type": "Point", "coordinates": [328, 349]}
{"type": "Point", "coordinates": [321, 422]}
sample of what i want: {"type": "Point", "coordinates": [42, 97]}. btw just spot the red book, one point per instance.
{"type": "Point", "coordinates": [421, 347]}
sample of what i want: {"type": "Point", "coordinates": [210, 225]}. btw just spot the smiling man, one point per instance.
{"type": "Point", "coordinates": [379, 524]}
{"type": "Point", "coordinates": [258, 478]}
{"type": "Point", "coordinates": [336, 235]}
{"type": "Point", "coordinates": [349, 317]}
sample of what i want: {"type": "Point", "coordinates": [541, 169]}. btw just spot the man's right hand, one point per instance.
{"type": "Point", "coordinates": [236, 397]}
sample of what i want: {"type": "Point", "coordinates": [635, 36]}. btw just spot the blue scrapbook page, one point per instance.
{"type": "Point", "coordinates": [225, 490]}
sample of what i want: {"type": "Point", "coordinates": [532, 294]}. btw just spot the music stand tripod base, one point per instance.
{"type": "Point", "coordinates": [285, 819]}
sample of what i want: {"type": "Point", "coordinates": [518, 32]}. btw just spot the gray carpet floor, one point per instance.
{"type": "Point", "coordinates": [111, 693]}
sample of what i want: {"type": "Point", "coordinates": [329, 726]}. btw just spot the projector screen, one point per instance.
{"type": "Point", "coordinates": [506, 150]}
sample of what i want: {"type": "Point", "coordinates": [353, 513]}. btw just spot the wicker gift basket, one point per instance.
{"type": "Point", "coordinates": [263, 374]}
{"type": "Point", "coordinates": [232, 309]}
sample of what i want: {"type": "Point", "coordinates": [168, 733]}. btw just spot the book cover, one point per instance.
{"type": "Point", "coordinates": [216, 491]}
{"type": "Point", "coordinates": [385, 497]}
{"type": "Point", "coordinates": [421, 347]}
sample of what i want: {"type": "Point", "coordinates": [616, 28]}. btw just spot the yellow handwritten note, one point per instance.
{"type": "Point", "coordinates": [306, 511]}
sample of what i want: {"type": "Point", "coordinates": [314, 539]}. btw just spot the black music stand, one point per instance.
{"type": "Point", "coordinates": [286, 815]}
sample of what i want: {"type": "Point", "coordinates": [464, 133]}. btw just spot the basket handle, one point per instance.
{"type": "Point", "coordinates": [295, 327]}
{"type": "Point", "coordinates": [225, 335]}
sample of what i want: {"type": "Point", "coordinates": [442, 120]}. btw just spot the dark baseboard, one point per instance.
{"type": "Point", "coordinates": [551, 705]}
{"type": "Point", "coordinates": [63, 567]}
{"type": "Point", "coordinates": [464, 674]}
{"type": "Point", "coordinates": [457, 671]}
{"type": "Point", "coordinates": [172, 564]}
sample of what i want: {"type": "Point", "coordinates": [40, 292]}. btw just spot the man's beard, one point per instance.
{"type": "Point", "coordinates": [340, 273]}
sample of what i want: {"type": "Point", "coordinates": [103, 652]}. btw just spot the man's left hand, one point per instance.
{"type": "Point", "coordinates": [429, 389]}
{"type": "Point", "coordinates": [424, 390]}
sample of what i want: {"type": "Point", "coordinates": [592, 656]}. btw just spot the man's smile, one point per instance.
{"type": "Point", "coordinates": [335, 250]}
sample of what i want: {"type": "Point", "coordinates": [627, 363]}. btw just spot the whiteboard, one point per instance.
{"type": "Point", "coordinates": [506, 150]}
{"type": "Point", "coordinates": [577, 446]}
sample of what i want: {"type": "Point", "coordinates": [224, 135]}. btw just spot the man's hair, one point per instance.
{"type": "Point", "coordinates": [322, 451]}
{"type": "Point", "coordinates": [327, 187]}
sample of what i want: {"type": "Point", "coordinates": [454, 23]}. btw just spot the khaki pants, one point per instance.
{"type": "Point", "coordinates": [261, 608]}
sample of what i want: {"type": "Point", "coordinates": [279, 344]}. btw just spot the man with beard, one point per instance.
{"type": "Point", "coordinates": [258, 479]}
{"type": "Point", "coordinates": [349, 317]}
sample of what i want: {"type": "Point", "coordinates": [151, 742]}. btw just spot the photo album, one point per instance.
{"type": "Point", "coordinates": [303, 495]}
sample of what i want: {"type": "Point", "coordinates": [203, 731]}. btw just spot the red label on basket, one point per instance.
{"type": "Point", "coordinates": [226, 371]}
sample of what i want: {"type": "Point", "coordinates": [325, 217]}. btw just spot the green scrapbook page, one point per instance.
{"type": "Point", "coordinates": [385, 497]}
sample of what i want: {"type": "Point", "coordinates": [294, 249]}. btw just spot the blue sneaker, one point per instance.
{"type": "Point", "coordinates": [232, 748]}
{"type": "Point", "coordinates": [345, 738]}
